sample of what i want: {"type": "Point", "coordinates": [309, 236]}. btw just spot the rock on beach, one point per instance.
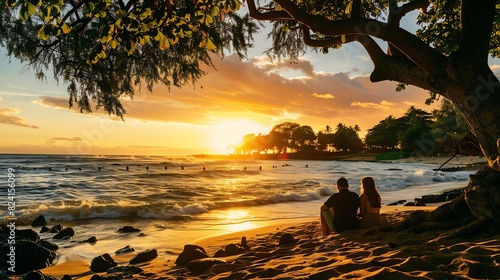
{"type": "Point", "coordinates": [102, 263]}
{"type": "Point", "coordinates": [144, 256]}
{"type": "Point", "coordinates": [28, 256]}
{"type": "Point", "coordinates": [190, 253]}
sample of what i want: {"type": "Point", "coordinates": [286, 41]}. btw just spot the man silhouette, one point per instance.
{"type": "Point", "coordinates": [339, 212]}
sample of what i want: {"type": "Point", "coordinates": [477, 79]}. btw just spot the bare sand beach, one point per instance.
{"type": "Point", "coordinates": [308, 254]}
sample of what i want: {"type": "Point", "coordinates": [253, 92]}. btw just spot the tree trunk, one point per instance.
{"type": "Point", "coordinates": [476, 92]}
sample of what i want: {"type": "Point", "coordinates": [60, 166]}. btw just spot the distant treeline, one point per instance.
{"type": "Point", "coordinates": [417, 131]}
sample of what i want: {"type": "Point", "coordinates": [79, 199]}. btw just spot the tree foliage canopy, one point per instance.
{"type": "Point", "coordinates": [102, 49]}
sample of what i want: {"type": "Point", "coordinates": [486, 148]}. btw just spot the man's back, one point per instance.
{"type": "Point", "coordinates": [345, 206]}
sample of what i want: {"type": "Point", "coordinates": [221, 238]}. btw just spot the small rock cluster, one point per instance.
{"type": "Point", "coordinates": [33, 253]}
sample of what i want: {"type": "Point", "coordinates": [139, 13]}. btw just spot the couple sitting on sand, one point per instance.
{"type": "Point", "coordinates": [340, 211]}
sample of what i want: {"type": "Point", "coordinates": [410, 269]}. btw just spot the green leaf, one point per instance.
{"type": "Point", "coordinates": [23, 13]}
{"type": "Point", "coordinates": [65, 28]}
{"type": "Point", "coordinates": [105, 39]}
{"type": "Point", "coordinates": [113, 43]}
{"type": "Point", "coordinates": [215, 10]}
{"type": "Point", "coordinates": [120, 12]}
{"type": "Point", "coordinates": [348, 8]}
{"type": "Point", "coordinates": [102, 54]}
{"type": "Point", "coordinates": [10, 3]}
{"type": "Point", "coordinates": [131, 49]}
{"type": "Point", "coordinates": [173, 40]}
{"type": "Point", "coordinates": [90, 6]}
{"type": "Point", "coordinates": [31, 9]}
{"type": "Point", "coordinates": [207, 44]}
{"type": "Point", "coordinates": [164, 44]}
{"type": "Point", "coordinates": [118, 23]}
{"type": "Point", "coordinates": [42, 34]}
{"type": "Point", "coordinates": [159, 36]}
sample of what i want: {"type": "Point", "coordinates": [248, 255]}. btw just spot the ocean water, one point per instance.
{"type": "Point", "coordinates": [178, 199]}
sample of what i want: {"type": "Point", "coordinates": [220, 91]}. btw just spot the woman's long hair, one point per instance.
{"type": "Point", "coordinates": [368, 187]}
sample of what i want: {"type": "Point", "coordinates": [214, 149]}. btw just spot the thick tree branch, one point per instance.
{"type": "Point", "coordinates": [420, 53]}
{"type": "Point", "coordinates": [396, 12]}
{"type": "Point", "coordinates": [368, 43]}
{"type": "Point", "coordinates": [268, 16]}
{"type": "Point", "coordinates": [400, 69]}
{"type": "Point", "coordinates": [327, 42]}
{"type": "Point", "coordinates": [386, 67]}
{"type": "Point", "coordinates": [477, 24]}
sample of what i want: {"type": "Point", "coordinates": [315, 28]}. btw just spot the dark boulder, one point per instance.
{"type": "Point", "coordinates": [235, 249]}
{"type": "Point", "coordinates": [66, 277]}
{"type": "Point", "coordinates": [287, 239]}
{"type": "Point", "coordinates": [44, 229]}
{"type": "Point", "coordinates": [221, 253]}
{"type": "Point", "coordinates": [244, 243]}
{"type": "Point", "coordinates": [201, 265]}
{"type": "Point", "coordinates": [190, 253]}
{"type": "Point", "coordinates": [230, 250]}
{"type": "Point", "coordinates": [28, 256]}
{"type": "Point", "coordinates": [102, 263]}
{"type": "Point", "coordinates": [92, 240]}
{"type": "Point", "coordinates": [39, 221]}
{"type": "Point", "coordinates": [128, 229]}
{"type": "Point", "coordinates": [28, 234]}
{"type": "Point", "coordinates": [37, 275]}
{"type": "Point", "coordinates": [124, 250]}
{"type": "Point", "coordinates": [144, 256]}
{"type": "Point", "coordinates": [55, 229]}
{"type": "Point", "coordinates": [49, 245]}
{"type": "Point", "coordinates": [65, 233]}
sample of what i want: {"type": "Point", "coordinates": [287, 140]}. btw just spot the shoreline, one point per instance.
{"type": "Point", "coordinates": [163, 265]}
{"type": "Point", "coordinates": [362, 254]}
{"type": "Point", "coordinates": [368, 157]}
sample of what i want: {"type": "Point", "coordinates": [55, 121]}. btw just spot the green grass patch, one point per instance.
{"type": "Point", "coordinates": [391, 155]}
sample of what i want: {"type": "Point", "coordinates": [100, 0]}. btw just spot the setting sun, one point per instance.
{"type": "Point", "coordinates": [229, 132]}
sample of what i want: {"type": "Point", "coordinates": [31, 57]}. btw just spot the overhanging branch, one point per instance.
{"type": "Point", "coordinates": [396, 12]}
{"type": "Point", "coordinates": [373, 49]}
{"type": "Point", "coordinates": [268, 15]}
{"type": "Point", "coordinates": [420, 53]}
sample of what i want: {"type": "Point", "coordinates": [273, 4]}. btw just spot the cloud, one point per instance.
{"type": "Point", "coordinates": [383, 105]}
{"type": "Point", "coordinates": [255, 90]}
{"type": "Point", "coordinates": [325, 96]}
{"type": "Point", "coordinates": [7, 118]}
{"type": "Point", "coordinates": [265, 63]}
{"type": "Point", "coordinates": [54, 102]}
{"type": "Point", "coordinates": [70, 139]}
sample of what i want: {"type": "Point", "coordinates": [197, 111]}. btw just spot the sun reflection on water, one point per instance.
{"type": "Point", "coordinates": [236, 221]}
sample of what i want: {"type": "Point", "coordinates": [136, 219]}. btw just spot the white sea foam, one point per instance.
{"type": "Point", "coordinates": [165, 191]}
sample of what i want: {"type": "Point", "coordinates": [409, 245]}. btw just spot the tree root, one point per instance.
{"type": "Point", "coordinates": [475, 211]}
